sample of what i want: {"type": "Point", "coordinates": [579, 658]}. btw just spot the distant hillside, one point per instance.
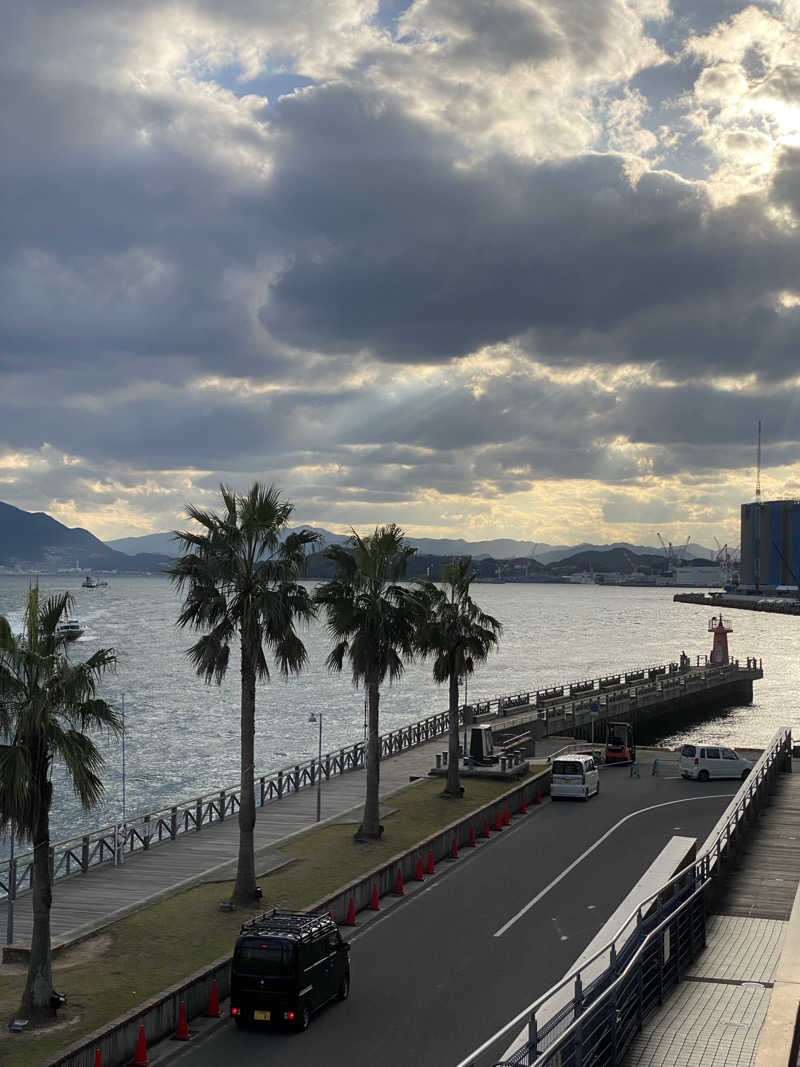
{"type": "Point", "coordinates": [35, 541]}
{"type": "Point", "coordinates": [502, 548]}
{"type": "Point", "coordinates": [499, 548]}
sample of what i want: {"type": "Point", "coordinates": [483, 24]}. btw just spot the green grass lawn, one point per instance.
{"type": "Point", "coordinates": [145, 953]}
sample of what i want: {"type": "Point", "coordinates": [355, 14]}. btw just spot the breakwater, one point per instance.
{"type": "Point", "coordinates": [778, 605]}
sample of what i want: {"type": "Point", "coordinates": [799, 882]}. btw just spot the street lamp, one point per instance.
{"type": "Point", "coordinates": [313, 718]}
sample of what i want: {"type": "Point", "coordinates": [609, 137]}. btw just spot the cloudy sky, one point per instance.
{"type": "Point", "coordinates": [523, 268]}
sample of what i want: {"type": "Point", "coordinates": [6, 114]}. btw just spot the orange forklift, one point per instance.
{"type": "Point", "coordinates": [620, 746]}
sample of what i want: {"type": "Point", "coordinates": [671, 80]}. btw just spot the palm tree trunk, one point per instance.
{"type": "Point", "coordinates": [36, 1003]}
{"type": "Point", "coordinates": [370, 829]}
{"type": "Point", "coordinates": [453, 787]}
{"type": "Point", "coordinates": [244, 892]}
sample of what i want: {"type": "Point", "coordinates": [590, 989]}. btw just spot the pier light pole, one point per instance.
{"type": "Point", "coordinates": [12, 891]}
{"type": "Point", "coordinates": [313, 718]}
{"type": "Point", "coordinates": [119, 852]}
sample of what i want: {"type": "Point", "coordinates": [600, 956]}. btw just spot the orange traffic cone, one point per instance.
{"type": "Point", "coordinates": [485, 830]}
{"type": "Point", "coordinates": [523, 808]}
{"type": "Point", "coordinates": [431, 864]}
{"type": "Point", "coordinates": [212, 1008]}
{"type": "Point", "coordinates": [538, 794]}
{"type": "Point", "coordinates": [98, 1058]}
{"type": "Point", "coordinates": [454, 848]}
{"type": "Point", "coordinates": [374, 900]}
{"type": "Point", "coordinates": [471, 841]}
{"type": "Point", "coordinates": [506, 816]}
{"type": "Point", "coordinates": [398, 885]}
{"type": "Point", "coordinates": [182, 1029]}
{"type": "Point", "coordinates": [418, 875]}
{"type": "Point", "coordinates": [140, 1059]}
{"type": "Point", "coordinates": [498, 820]}
{"type": "Point", "coordinates": [351, 913]}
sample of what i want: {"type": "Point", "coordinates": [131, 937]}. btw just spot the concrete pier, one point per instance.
{"type": "Point", "coordinates": [637, 697]}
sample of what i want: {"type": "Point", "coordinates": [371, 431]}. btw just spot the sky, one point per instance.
{"type": "Point", "coordinates": [526, 268]}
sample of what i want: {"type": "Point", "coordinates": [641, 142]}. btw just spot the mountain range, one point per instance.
{"type": "Point", "coordinates": [498, 548]}
{"type": "Point", "coordinates": [36, 541]}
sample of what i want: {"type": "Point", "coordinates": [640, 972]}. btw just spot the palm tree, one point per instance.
{"type": "Point", "coordinates": [240, 574]}
{"type": "Point", "coordinates": [457, 635]}
{"type": "Point", "coordinates": [48, 707]}
{"type": "Point", "coordinates": [371, 622]}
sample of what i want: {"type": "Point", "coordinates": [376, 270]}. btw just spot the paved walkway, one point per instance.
{"type": "Point", "coordinates": [86, 902]}
{"type": "Point", "coordinates": [715, 1015]}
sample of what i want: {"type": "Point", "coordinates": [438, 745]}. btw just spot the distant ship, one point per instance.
{"type": "Point", "coordinates": [70, 629]}
{"type": "Point", "coordinates": [92, 583]}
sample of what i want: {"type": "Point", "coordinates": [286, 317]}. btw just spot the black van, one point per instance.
{"type": "Point", "coordinates": [286, 966]}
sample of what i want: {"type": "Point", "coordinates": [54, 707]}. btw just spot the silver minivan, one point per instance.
{"type": "Point", "coordinates": [574, 775]}
{"type": "Point", "coordinates": [704, 760]}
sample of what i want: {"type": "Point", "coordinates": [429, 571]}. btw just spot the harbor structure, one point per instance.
{"type": "Point", "coordinates": [770, 538]}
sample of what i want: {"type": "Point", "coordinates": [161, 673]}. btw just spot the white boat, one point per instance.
{"type": "Point", "coordinates": [92, 583]}
{"type": "Point", "coordinates": [69, 629]}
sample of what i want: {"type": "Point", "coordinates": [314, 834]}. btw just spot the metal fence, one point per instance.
{"type": "Point", "coordinates": [112, 842]}
{"type": "Point", "coordinates": [593, 1014]}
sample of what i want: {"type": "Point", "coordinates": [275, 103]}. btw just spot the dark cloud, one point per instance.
{"type": "Point", "coordinates": [399, 251]}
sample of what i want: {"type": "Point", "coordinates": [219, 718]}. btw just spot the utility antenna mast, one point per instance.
{"type": "Point", "coordinates": [757, 518]}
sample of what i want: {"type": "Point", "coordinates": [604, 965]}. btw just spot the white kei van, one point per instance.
{"type": "Point", "coordinates": [574, 775]}
{"type": "Point", "coordinates": [704, 760]}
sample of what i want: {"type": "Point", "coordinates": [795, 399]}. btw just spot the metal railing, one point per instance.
{"type": "Point", "coordinates": [594, 1012]}
{"type": "Point", "coordinates": [112, 842]}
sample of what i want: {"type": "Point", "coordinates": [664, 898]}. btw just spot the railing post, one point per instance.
{"type": "Point", "coordinates": [198, 813]}
{"type": "Point", "coordinates": [263, 789]}
{"type": "Point", "coordinates": [221, 804]}
{"type": "Point", "coordinates": [146, 832]}
{"type": "Point", "coordinates": [533, 1035]}
{"type": "Point", "coordinates": [85, 852]}
{"type": "Point", "coordinates": [327, 766]}
{"type": "Point", "coordinates": [297, 777]}
{"type": "Point", "coordinates": [577, 1006]}
{"type": "Point", "coordinates": [173, 823]}
{"type": "Point", "coordinates": [280, 784]}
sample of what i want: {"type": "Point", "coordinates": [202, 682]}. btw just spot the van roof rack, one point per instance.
{"type": "Point", "coordinates": [299, 925]}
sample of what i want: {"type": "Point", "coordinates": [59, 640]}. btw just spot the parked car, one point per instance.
{"type": "Point", "coordinates": [704, 760]}
{"type": "Point", "coordinates": [285, 966]}
{"type": "Point", "coordinates": [575, 775]}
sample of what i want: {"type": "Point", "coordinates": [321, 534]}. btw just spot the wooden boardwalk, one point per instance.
{"type": "Point", "coordinates": [83, 903]}
{"type": "Point", "coordinates": [765, 880]}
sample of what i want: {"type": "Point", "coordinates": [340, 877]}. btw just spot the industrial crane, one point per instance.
{"type": "Point", "coordinates": [667, 546]}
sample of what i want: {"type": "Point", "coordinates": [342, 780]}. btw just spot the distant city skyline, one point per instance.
{"type": "Point", "coordinates": [524, 270]}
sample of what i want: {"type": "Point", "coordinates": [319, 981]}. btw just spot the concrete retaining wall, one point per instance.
{"type": "Point", "coordinates": [117, 1041]}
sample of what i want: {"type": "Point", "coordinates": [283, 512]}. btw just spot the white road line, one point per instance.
{"type": "Point", "coordinates": [588, 852]}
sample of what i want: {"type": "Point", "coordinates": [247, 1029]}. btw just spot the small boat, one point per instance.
{"type": "Point", "coordinates": [69, 629]}
{"type": "Point", "coordinates": [92, 583]}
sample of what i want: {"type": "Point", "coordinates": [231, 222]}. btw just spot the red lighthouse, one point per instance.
{"type": "Point", "coordinates": [720, 630]}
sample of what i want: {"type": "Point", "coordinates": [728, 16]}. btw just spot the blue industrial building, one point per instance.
{"type": "Point", "coordinates": [770, 544]}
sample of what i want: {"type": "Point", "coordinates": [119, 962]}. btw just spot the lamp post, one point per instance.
{"type": "Point", "coordinates": [12, 891]}
{"type": "Point", "coordinates": [119, 852]}
{"type": "Point", "coordinates": [313, 718]}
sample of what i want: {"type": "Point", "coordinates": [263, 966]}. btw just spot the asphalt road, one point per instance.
{"type": "Point", "coordinates": [431, 981]}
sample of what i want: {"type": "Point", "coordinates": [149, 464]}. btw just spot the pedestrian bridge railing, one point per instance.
{"type": "Point", "coordinates": [593, 1014]}
{"type": "Point", "coordinates": [112, 842]}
